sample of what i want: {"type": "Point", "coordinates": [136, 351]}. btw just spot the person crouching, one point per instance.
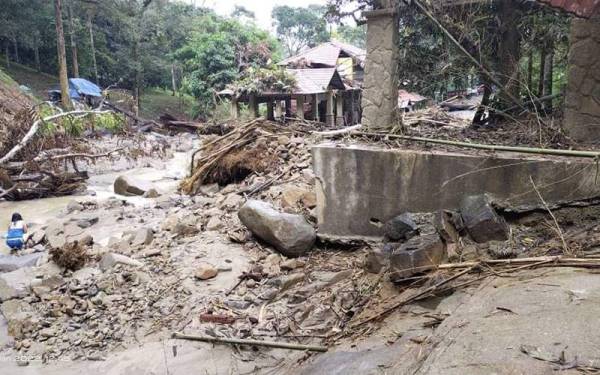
{"type": "Point", "coordinates": [16, 232]}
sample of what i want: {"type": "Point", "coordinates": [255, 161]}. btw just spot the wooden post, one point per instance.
{"type": "Point", "coordinates": [270, 115]}
{"type": "Point", "coordinates": [278, 110]}
{"type": "Point", "coordinates": [339, 110]}
{"type": "Point", "coordinates": [253, 104]}
{"type": "Point", "coordinates": [329, 116]}
{"type": "Point", "coordinates": [315, 107]}
{"type": "Point", "coordinates": [352, 110]}
{"type": "Point", "coordinates": [288, 107]}
{"type": "Point", "coordinates": [300, 107]}
{"type": "Point", "coordinates": [235, 109]}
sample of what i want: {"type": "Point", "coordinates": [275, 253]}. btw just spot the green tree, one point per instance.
{"type": "Point", "coordinates": [355, 35]}
{"type": "Point", "coordinates": [217, 50]}
{"type": "Point", "coordinates": [299, 28]}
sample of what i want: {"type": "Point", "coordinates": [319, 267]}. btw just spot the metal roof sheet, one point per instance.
{"type": "Point", "coordinates": [582, 8]}
{"type": "Point", "coordinates": [316, 80]}
{"type": "Point", "coordinates": [327, 54]}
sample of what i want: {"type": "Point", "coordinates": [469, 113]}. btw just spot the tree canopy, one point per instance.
{"type": "Point", "coordinates": [300, 28]}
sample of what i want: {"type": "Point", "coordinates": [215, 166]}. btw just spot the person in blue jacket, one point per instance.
{"type": "Point", "coordinates": [16, 232]}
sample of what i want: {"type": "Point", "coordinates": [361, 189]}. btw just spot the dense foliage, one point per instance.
{"type": "Point", "coordinates": [139, 43]}
{"type": "Point", "coordinates": [218, 50]}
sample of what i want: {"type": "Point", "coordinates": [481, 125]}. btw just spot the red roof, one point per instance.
{"type": "Point", "coordinates": [582, 8]}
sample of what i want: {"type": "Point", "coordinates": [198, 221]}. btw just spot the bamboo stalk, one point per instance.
{"type": "Point", "coordinates": [270, 344]}
{"type": "Point", "coordinates": [527, 150]}
{"type": "Point", "coordinates": [553, 261]}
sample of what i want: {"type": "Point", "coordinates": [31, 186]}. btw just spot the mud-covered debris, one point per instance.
{"type": "Point", "coordinates": [71, 256]}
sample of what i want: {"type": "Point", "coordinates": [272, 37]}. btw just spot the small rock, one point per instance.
{"type": "Point", "coordinates": [209, 189]}
{"type": "Point", "coordinates": [481, 221]}
{"type": "Point", "coordinates": [127, 187]}
{"type": "Point", "coordinates": [85, 221]}
{"type": "Point", "coordinates": [250, 283]}
{"type": "Point", "coordinates": [214, 223]}
{"type": "Point", "coordinates": [291, 280]}
{"type": "Point", "coordinates": [290, 234]}
{"type": "Point", "coordinates": [109, 260]}
{"type": "Point", "coordinates": [143, 236]}
{"type": "Point", "coordinates": [291, 264]}
{"type": "Point", "coordinates": [205, 271]}
{"type": "Point", "coordinates": [401, 227]}
{"type": "Point", "coordinates": [233, 200]}
{"type": "Point", "coordinates": [73, 206]}
{"type": "Point", "coordinates": [151, 193]}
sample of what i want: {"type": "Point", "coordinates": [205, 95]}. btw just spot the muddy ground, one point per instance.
{"type": "Point", "coordinates": [117, 315]}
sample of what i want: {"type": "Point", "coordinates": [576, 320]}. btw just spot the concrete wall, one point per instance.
{"type": "Point", "coordinates": [582, 102]}
{"type": "Point", "coordinates": [358, 184]}
{"type": "Point", "coordinates": [380, 86]}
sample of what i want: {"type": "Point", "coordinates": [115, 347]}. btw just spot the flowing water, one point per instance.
{"type": "Point", "coordinates": [164, 177]}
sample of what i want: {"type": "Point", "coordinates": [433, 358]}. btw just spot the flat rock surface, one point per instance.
{"type": "Point", "coordinates": [550, 310]}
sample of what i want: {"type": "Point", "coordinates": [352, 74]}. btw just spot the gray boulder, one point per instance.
{"type": "Point", "coordinates": [290, 234]}
{"type": "Point", "coordinates": [402, 227]}
{"type": "Point", "coordinates": [417, 255]}
{"type": "Point", "coordinates": [481, 221]}
{"type": "Point", "coordinates": [127, 187]}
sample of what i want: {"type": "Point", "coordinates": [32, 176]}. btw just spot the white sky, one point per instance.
{"type": "Point", "coordinates": [261, 8]}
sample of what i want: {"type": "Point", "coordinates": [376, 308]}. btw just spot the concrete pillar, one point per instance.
{"type": "Point", "coordinates": [329, 116]}
{"type": "Point", "coordinates": [315, 107]}
{"type": "Point", "coordinates": [253, 106]}
{"type": "Point", "coordinates": [235, 108]}
{"type": "Point", "coordinates": [288, 108]}
{"type": "Point", "coordinates": [300, 107]}
{"type": "Point", "coordinates": [270, 115]}
{"type": "Point", "coordinates": [582, 101]}
{"type": "Point", "coordinates": [339, 109]}
{"type": "Point", "coordinates": [380, 87]}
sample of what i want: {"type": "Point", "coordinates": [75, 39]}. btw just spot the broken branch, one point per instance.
{"type": "Point", "coordinates": [270, 344]}
{"type": "Point", "coordinates": [35, 127]}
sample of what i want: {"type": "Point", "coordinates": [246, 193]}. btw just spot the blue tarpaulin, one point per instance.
{"type": "Point", "coordinates": [80, 86]}
{"type": "Point", "coordinates": [84, 87]}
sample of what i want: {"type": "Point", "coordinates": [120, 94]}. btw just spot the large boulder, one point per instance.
{"type": "Point", "coordinates": [290, 234]}
{"type": "Point", "coordinates": [481, 221]}
{"type": "Point", "coordinates": [127, 187]}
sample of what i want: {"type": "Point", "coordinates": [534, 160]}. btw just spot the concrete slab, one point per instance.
{"type": "Point", "coordinates": [359, 187]}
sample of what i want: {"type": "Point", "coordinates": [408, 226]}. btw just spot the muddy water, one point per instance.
{"type": "Point", "coordinates": [164, 176]}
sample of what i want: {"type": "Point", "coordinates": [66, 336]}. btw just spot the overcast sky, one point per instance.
{"type": "Point", "coordinates": [261, 8]}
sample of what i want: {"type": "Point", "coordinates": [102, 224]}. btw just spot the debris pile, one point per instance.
{"type": "Point", "coordinates": [257, 148]}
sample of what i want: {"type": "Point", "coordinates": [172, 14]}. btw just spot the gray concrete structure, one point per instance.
{"type": "Point", "coordinates": [359, 187]}
{"type": "Point", "coordinates": [582, 102]}
{"type": "Point", "coordinates": [380, 87]}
